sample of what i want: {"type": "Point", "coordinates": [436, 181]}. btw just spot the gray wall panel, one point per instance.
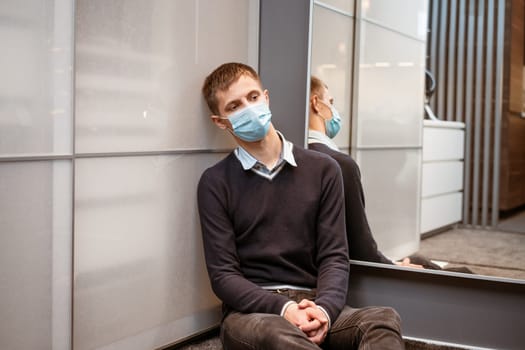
{"type": "Point", "coordinates": [284, 63]}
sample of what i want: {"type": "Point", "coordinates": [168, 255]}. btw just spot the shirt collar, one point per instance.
{"type": "Point", "coordinates": [315, 136]}
{"type": "Point", "coordinates": [248, 161]}
{"type": "Point", "coordinates": [287, 153]}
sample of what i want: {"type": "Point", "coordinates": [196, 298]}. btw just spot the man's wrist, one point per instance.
{"type": "Point", "coordinates": [326, 314]}
{"type": "Point", "coordinates": [285, 306]}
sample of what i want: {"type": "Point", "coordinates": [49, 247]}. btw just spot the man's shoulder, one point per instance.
{"type": "Point", "coordinates": [219, 169]}
{"type": "Point", "coordinates": [321, 147]}
{"type": "Point", "coordinates": [319, 160]}
{"type": "Point", "coordinates": [309, 154]}
{"type": "Point", "coordinates": [341, 158]}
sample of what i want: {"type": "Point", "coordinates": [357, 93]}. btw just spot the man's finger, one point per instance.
{"type": "Point", "coordinates": [313, 325]}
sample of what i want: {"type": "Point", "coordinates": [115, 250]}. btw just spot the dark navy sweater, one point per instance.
{"type": "Point", "coordinates": [289, 230]}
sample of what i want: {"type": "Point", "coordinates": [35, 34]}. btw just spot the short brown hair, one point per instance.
{"type": "Point", "coordinates": [221, 79]}
{"type": "Point", "coordinates": [316, 86]}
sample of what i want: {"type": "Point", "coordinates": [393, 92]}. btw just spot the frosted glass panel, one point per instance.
{"type": "Point", "coordinates": [343, 5]}
{"type": "Point", "coordinates": [35, 255]}
{"type": "Point", "coordinates": [332, 62]}
{"type": "Point", "coordinates": [394, 14]}
{"type": "Point", "coordinates": [391, 181]}
{"type": "Point", "coordinates": [140, 67]}
{"type": "Point", "coordinates": [139, 262]}
{"type": "Point", "coordinates": [36, 77]}
{"type": "Point", "coordinates": [391, 88]}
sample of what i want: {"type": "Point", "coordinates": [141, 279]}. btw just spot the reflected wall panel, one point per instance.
{"type": "Point", "coordinates": [139, 263]}
{"type": "Point", "coordinates": [35, 255]}
{"type": "Point", "coordinates": [390, 88]}
{"type": "Point", "coordinates": [388, 122]}
{"type": "Point", "coordinates": [340, 5]}
{"type": "Point", "coordinates": [390, 179]}
{"type": "Point", "coordinates": [394, 15]}
{"type": "Point", "coordinates": [331, 61]}
{"type": "Point", "coordinates": [36, 71]}
{"type": "Point", "coordinates": [140, 67]}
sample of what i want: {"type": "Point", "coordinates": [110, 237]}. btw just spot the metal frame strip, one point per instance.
{"type": "Point", "coordinates": [498, 101]}
{"type": "Point", "coordinates": [451, 62]}
{"type": "Point", "coordinates": [433, 45]}
{"type": "Point", "coordinates": [489, 53]}
{"type": "Point", "coordinates": [477, 111]}
{"type": "Point", "coordinates": [460, 83]}
{"type": "Point", "coordinates": [441, 72]}
{"type": "Point", "coordinates": [468, 109]}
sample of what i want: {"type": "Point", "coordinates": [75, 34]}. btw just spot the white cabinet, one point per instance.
{"type": "Point", "coordinates": [442, 174]}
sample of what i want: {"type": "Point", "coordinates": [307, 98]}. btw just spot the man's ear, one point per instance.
{"type": "Point", "coordinates": [314, 101]}
{"type": "Point", "coordinates": [219, 122]}
{"type": "Point", "coordinates": [267, 95]}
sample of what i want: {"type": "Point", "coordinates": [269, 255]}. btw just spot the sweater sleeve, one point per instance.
{"type": "Point", "coordinates": [332, 249]}
{"type": "Point", "coordinates": [222, 261]}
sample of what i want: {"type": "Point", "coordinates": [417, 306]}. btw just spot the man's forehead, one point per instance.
{"type": "Point", "coordinates": [238, 89]}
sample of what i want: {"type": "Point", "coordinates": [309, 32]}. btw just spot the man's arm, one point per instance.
{"type": "Point", "coordinates": [332, 248]}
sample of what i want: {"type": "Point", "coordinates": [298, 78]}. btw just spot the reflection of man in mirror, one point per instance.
{"type": "Point", "coordinates": [324, 123]}
{"type": "Point", "coordinates": [273, 232]}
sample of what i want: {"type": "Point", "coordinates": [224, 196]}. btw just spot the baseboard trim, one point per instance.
{"type": "Point", "coordinates": [446, 344]}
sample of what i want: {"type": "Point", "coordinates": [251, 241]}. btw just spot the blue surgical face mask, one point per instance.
{"type": "Point", "coordinates": [251, 123]}
{"type": "Point", "coordinates": [332, 125]}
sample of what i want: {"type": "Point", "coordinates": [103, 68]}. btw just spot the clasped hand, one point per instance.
{"type": "Point", "coordinates": [309, 318]}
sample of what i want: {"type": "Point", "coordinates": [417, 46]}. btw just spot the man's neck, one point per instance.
{"type": "Point", "coordinates": [316, 122]}
{"type": "Point", "coordinates": [267, 151]}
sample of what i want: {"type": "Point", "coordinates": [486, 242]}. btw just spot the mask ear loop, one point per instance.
{"type": "Point", "coordinates": [319, 113]}
{"type": "Point", "coordinates": [223, 124]}
{"type": "Point", "coordinates": [313, 102]}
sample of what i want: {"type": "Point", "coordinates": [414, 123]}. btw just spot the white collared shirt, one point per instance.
{"type": "Point", "coordinates": [249, 162]}
{"type": "Point", "coordinates": [315, 136]}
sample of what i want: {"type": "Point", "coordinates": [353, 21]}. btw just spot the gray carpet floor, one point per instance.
{"type": "Point", "coordinates": [491, 253]}
{"type": "Point", "coordinates": [215, 344]}
{"type": "Point", "coordinates": [514, 223]}
{"type": "Point", "coordinates": [212, 343]}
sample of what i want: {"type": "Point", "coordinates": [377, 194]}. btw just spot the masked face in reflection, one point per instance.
{"type": "Point", "coordinates": [333, 123]}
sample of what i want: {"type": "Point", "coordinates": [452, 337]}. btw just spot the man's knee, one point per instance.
{"type": "Point", "coordinates": [392, 314]}
{"type": "Point", "coordinates": [383, 317]}
{"type": "Point", "coordinates": [264, 331]}
{"type": "Point", "coordinates": [389, 313]}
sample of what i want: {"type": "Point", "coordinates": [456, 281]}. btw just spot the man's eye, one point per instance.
{"type": "Point", "coordinates": [254, 97]}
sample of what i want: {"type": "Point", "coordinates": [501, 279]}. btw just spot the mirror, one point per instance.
{"type": "Point", "coordinates": [373, 65]}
